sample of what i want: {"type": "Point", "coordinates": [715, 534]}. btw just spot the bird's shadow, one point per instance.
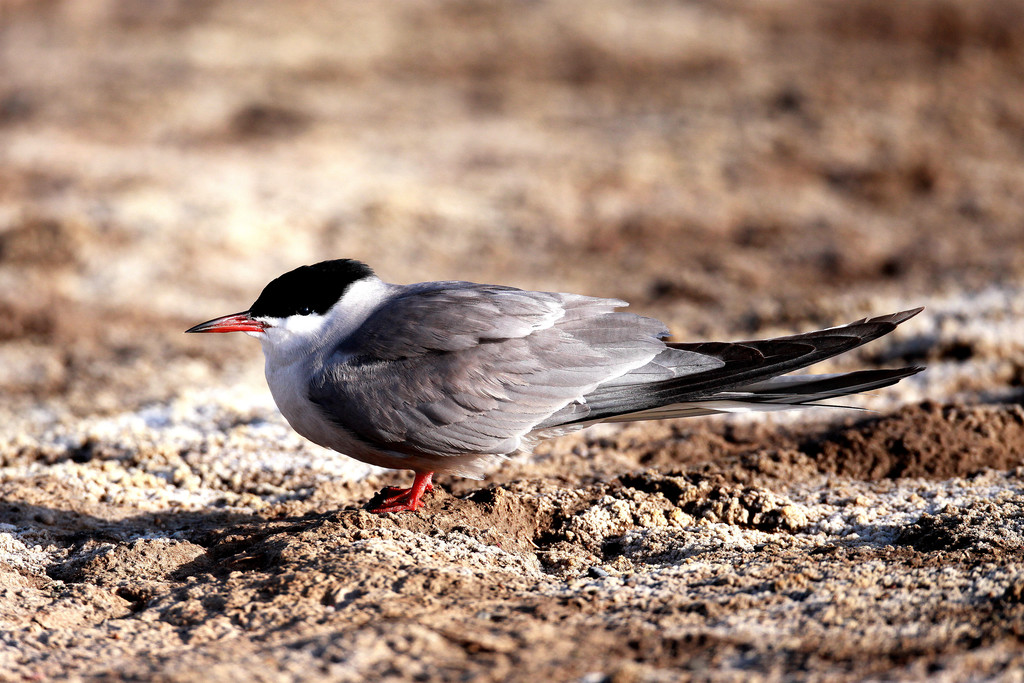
{"type": "Point", "coordinates": [229, 538]}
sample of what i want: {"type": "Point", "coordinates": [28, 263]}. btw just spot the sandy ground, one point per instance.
{"type": "Point", "coordinates": [735, 168]}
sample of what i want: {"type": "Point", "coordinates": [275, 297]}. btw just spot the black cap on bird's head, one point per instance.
{"type": "Point", "coordinates": [306, 290]}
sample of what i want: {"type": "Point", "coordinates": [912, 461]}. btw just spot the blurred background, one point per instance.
{"type": "Point", "coordinates": [736, 168]}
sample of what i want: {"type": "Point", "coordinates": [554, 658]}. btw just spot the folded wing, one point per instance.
{"type": "Point", "coordinates": [457, 368]}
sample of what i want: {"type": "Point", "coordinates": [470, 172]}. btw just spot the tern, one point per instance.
{"type": "Point", "coordinates": [446, 377]}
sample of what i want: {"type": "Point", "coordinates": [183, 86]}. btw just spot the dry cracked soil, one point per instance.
{"type": "Point", "coordinates": [736, 168]}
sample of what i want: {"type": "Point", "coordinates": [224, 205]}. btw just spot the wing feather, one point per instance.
{"type": "Point", "coordinates": [455, 368]}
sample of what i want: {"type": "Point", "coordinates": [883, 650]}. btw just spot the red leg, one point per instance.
{"type": "Point", "coordinates": [394, 499]}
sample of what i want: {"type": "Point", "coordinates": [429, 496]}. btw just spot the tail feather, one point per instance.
{"type": "Point", "coordinates": [811, 388]}
{"type": "Point", "coordinates": [794, 392]}
{"type": "Point", "coordinates": [747, 378]}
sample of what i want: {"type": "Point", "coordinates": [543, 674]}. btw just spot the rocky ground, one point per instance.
{"type": "Point", "coordinates": [737, 169]}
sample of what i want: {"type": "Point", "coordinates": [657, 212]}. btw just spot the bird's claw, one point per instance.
{"type": "Point", "coordinates": [397, 499]}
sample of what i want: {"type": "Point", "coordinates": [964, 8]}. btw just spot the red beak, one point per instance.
{"type": "Point", "coordinates": [236, 322]}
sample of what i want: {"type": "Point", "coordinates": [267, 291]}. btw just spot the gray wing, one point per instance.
{"type": "Point", "coordinates": [457, 368]}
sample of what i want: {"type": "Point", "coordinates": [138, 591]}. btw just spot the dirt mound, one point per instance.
{"type": "Point", "coordinates": [929, 440]}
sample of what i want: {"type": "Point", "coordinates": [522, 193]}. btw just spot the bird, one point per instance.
{"type": "Point", "coordinates": [448, 377]}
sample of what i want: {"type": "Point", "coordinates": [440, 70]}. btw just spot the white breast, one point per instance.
{"type": "Point", "coordinates": [289, 385]}
{"type": "Point", "coordinates": [295, 346]}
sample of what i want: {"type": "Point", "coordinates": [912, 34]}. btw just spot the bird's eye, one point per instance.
{"type": "Point", "coordinates": [305, 310]}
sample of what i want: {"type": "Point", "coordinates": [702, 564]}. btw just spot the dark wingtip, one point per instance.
{"type": "Point", "coordinates": [903, 316]}
{"type": "Point", "coordinates": [897, 318]}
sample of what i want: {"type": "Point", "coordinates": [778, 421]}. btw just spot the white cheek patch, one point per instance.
{"type": "Point", "coordinates": [292, 334]}
{"type": "Point", "coordinates": [302, 325]}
